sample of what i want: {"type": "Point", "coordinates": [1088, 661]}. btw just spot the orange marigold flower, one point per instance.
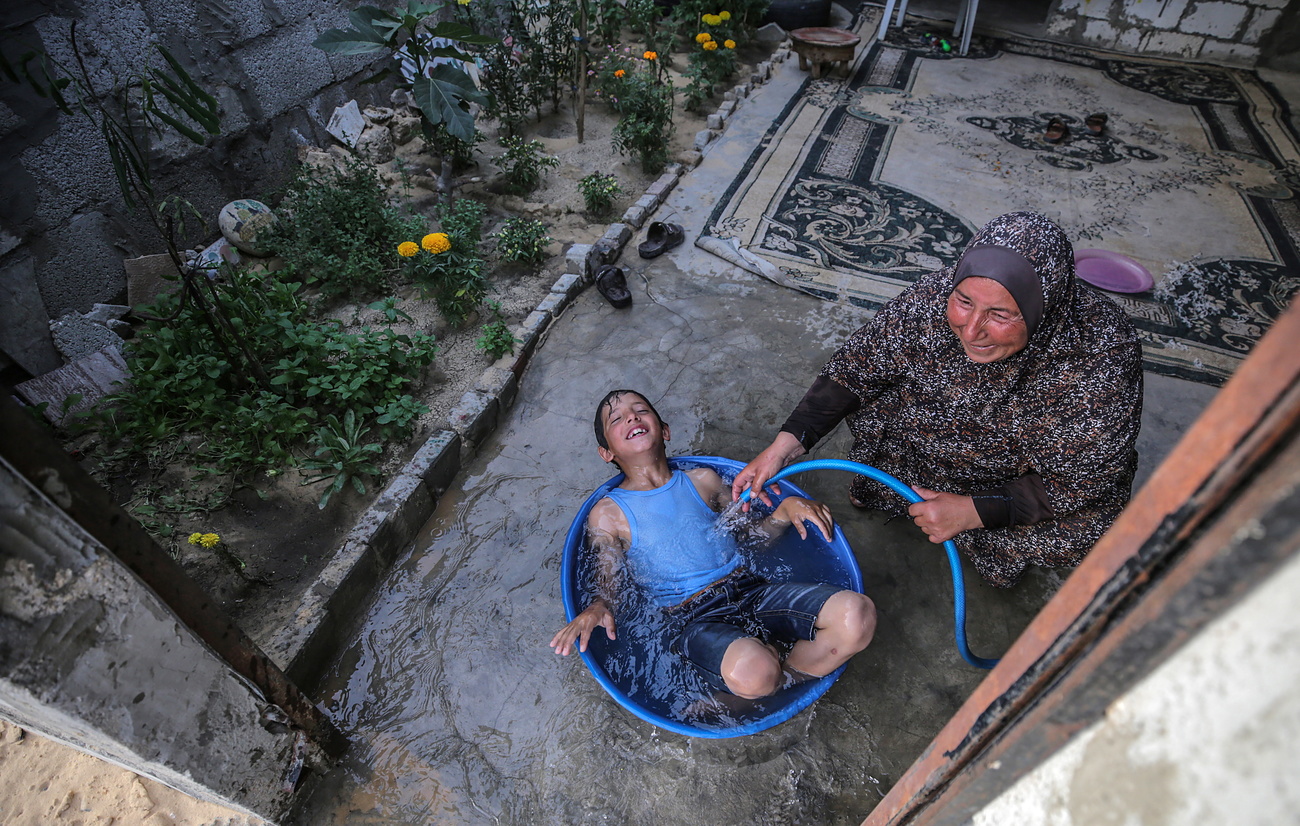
{"type": "Point", "coordinates": [711, 46]}
{"type": "Point", "coordinates": [730, 44]}
{"type": "Point", "coordinates": [650, 55]}
{"type": "Point", "coordinates": [703, 37]}
{"type": "Point", "coordinates": [619, 73]}
{"type": "Point", "coordinates": [408, 249]}
{"type": "Point", "coordinates": [436, 242]}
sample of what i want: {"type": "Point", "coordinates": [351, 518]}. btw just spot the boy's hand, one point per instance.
{"type": "Point", "coordinates": [596, 616]}
{"type": "Point", "coordinates": [796, 510]}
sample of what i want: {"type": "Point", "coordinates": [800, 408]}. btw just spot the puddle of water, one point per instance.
{"type": "Point", "coordinates": [462, 714]}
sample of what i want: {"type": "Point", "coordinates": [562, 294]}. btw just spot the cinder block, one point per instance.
{"type": "Point", "coordinates": [616, 237]}
{"type": "Point", "coordinates": [635, 216]}
{"type": "Point", "coordinates": [703, 138]}
{"type": "Point", "coordinates": [663, 186]}
{"type": "Point", "coordinates": [578, 260]}
{"type": "Point", "coordinates": [437, 461]}
{"type": "Point", "coordinates": [553, 303]}
{"type": "Point", "coordinates": [499, 383]}
{"type": "Point", "coordinates": [570, 284]}
{"type": "Point", "coordinates": [475, 416]}
{"type": "Point", "coordinates": [399, 511]}
{"type": "Point", "coordinates": [693, 158]}
{"type": "Point", "coordinates": [727, 107]}
{"type": "Point", "coordinates": [714, 122]}
{"type": "Point", "coordinates": [649, 202]}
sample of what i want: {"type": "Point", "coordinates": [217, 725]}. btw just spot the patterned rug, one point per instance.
{"type": "Point", "coordinates": [866, 182]}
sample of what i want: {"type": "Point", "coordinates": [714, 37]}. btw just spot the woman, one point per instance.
{"type": "Point", "coordinates": [1006, 392]}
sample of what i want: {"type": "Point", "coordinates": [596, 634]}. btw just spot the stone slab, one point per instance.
{"type": "Point", "coordinates": [24, 322]}
{"type": "Point", "coordinates": [437, 461]}
{"type": "Point", "coordinates": [93, 376]}
{"type": "Point", "coordinates": [475, 416]}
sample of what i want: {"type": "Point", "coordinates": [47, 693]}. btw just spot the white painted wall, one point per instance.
{"type": "Point", "coordinates": [1211, 737]}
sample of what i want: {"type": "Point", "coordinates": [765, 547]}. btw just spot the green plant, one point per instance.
{"type": "Point", "coordinates": [711, 62]}
{"type": "Point", "coordinates": [442, 91]}
{"type": "Point", "coordinates": [524, 164]}
{"type": "Point", "coordinates": [448, 265]}
{"type": "Point", "coordinates": [496, 339]}
{"type": "Point", "coordinates": [336, 228]}
{"type": "Point", "coordinates": [346, 455]}
{"type": "Point", "coordinates": [599, 191]}
{"type": "Point", "coordinates": [523, 239]}
{"type": "Point", "coordinates": [388, 306]}
{"type": "Point", "coordinates": [184, 392]}
{"type": "Point", "coordinates": [644, 101]}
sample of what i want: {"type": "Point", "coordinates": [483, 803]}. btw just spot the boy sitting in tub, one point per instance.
{"type": "Point", "coordinates": [743, 633]}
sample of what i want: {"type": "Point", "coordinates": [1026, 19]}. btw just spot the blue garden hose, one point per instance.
{"type": "Point", "coordinates": [954, 561]}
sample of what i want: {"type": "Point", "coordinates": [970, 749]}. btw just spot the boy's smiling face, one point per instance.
{"type": "Point", "coordinates": [631, 428]}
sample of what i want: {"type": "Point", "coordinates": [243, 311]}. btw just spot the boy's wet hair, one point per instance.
{"type": "Point", "coordinates": [609, 399]}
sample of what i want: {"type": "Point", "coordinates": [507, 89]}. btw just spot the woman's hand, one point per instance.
{"type": "Point", "coordinates": [764, 466]}
{"type": "Point", "coordinates": [944, 515]}
{"type": "Point", "coordinates": [596, 616]}
{"type": "Point", "coordinates": [796, 509]}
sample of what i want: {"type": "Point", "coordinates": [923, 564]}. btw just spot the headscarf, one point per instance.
{"type": "Point", "coordinates": [1066, 407]}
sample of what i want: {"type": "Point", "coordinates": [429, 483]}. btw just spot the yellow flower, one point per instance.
{"type": "Point", "coordinates": [711, 46]}
{"type": "Point", "coordinates": [650, 55]}
{"type": "Point", "coordinates": [703, 37]}
{"type": "Point", "coordinates": [195, 538]}
{"type": "Point", "coordinates": [408, 249]}
{"type": "Point", "coordinates": [726, 15]}
{"type": "Point", "coordinates": [436, 242]}
{"type": "Point", "coordinates": [619, 73]}
{"type": "Point", "coordinates": [730, 44]}
{"type": "Point", "coordinates": [463, 2]}
{"type": "Point", "coordinates": [207, 540]}
{"type": "Point", "coordinates": [711, 19]}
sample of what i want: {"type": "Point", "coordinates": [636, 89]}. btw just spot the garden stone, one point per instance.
{"type": "Point", "coordinates": [501, 384]}
{"type": "Point", "coordinates": [219, 252]}
{"type": "Point", "coordinates": [123, 329]}
{"type": "Point", "coordinates": [635, 216]}
{"type": "Point", "coordinates": [437, 462]}
{"type": "Point", "coordinates": [567, 285]}
{"type": "Point", "coordinates": [376, 144]}
{"type": "Point", "coordinates": [402, 97]}
{"type": "Point", "coordinates": [103, 313]}
{"type": "Point", "coordinates": [76, 336]}
{"type": "Point", "coordinates": [475, 416]}
{"type": "Point", "coordinates": [730, 94]}
{"type": "Point", "coordinates": [727, 108]}
{"type": "Point", "coordinates": [377, 114]}
{"type": "Point", "coordinates": [24, 321]}
{"type": "Point", "coordinates": [617, 236]}
{"type": "Point", "coordinates": [703, 138]}
{"type": "Point", "coordinates": [694, 158]}
{"type": "Point", "coordinates": [147, 277]}
{"type": "Point", "coordinates": [578, 260]}
{"type": "Point", "coordinates": [714, 122]}
{"type": "Point", "coordinates": [771, 33]}
{"type": "Point", "coordinates": [93, 375]}
{"type": "Point", "coordinates": [552, 304]}
{"type": "Point", "coordinates": [347, 124]}
{"type": "Point", "coordinates": [243, 221]}
{"type": "Point", "coordinates": [405, 129]}
{"type": "Point", "coordinates": [665, 184]}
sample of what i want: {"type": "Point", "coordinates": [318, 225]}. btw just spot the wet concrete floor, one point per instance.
{"type": "Point", "coordinates": [460, 712]}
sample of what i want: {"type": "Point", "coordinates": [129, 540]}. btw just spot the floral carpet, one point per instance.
{"type": "Point", "coordinates": [867, 181]}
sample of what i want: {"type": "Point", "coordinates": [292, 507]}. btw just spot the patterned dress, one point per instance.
{"type": "Point", "coordinates": [1050, 430]}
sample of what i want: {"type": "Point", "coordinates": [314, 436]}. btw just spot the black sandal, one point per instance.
{"type": "Point", "coordinates": [660, 238]}
{"type": "Point", "coordinates": [1057, 131]}
{"type": "Point", "coordinates": [612, 284]}
{"type": "Point", "coordinates": [1096, 122]}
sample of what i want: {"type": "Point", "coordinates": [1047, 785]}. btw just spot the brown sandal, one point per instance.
{"type": "Point", "coordinates": [1096, 122]}
{"type": "Point", "coordinates": [1057, 131]}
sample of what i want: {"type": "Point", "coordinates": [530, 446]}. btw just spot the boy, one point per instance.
{"type": "Point", "coordinates": [658, 522]}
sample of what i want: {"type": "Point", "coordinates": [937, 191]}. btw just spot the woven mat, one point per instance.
{"type": "Point", "coordinates": [866, 182]}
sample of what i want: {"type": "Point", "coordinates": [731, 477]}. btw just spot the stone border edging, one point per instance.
{"type": "Point", "coordinates": [331, 606]}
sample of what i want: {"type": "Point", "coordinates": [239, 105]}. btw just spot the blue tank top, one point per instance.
{"type": "Point", "coordinates": [674, 551]}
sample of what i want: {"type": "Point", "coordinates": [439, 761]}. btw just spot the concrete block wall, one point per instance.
{"type": "Point", "coordinates": [64, 231]}
{"type": "Point", "coordinates": [92, 658]}
{"type": "Point", "coordinates": [1229, 32]}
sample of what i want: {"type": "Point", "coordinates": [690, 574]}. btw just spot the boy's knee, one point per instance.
{"type": "Point", "coordinates": [857, 618]}
{"type": "Point", "coordinates": [751, 670]}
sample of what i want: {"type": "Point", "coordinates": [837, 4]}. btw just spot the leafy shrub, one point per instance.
{"type": "Point", "coordinates": [645, 107]}
{"type": "Point", "coordinates": [496, 339]}
{"type": "Point", "coordinates": [599, 191]}
{"type": "Point", "coordinates": [523, 239]}
{"type": "Point", "coordinates": [184, 387]}
{"type": "Point", "coordinates": [452, 274]}
{"type": "Point", "coordinates": [335, 229]}
{"type": "Point", "coordinates": [524, 164]}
